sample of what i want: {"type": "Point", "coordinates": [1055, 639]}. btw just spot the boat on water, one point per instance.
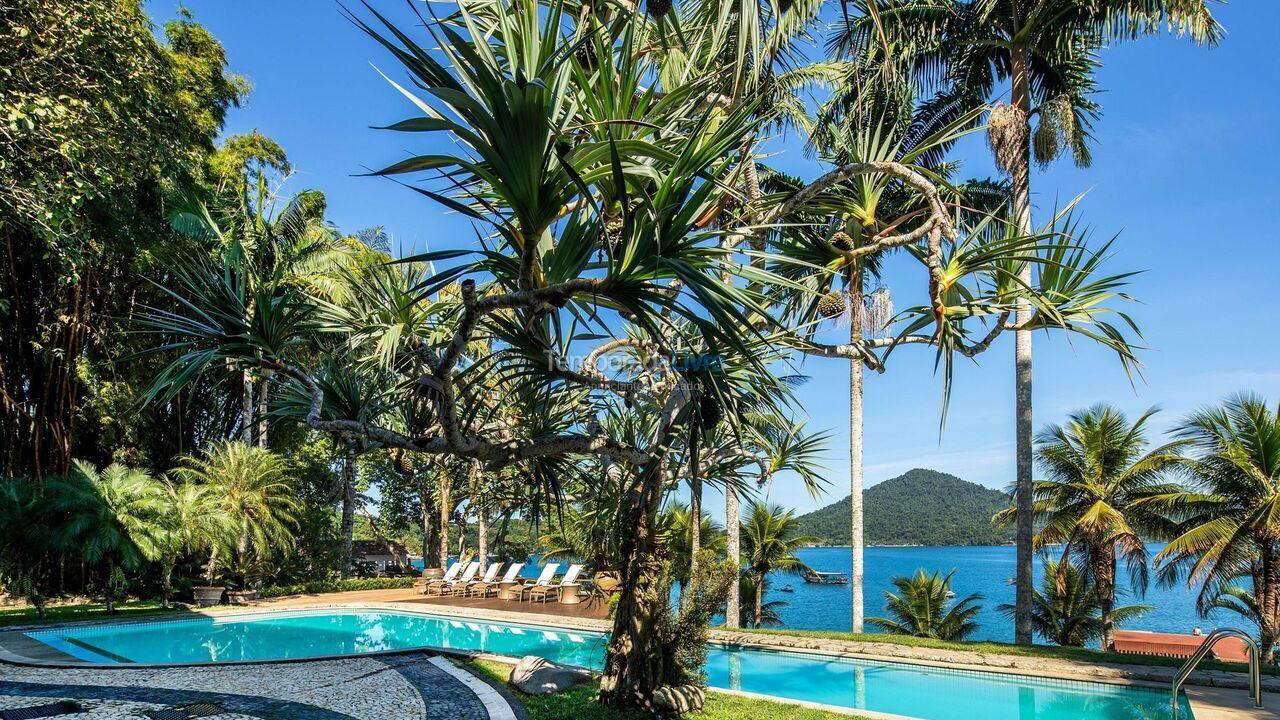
{"type": "Point", "coordinates": [786, 589]}
{"type": "Point", "coordinates": [815, 577]}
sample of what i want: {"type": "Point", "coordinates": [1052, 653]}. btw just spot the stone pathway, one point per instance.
{"type": "Point", "coordinates": [395, 687]}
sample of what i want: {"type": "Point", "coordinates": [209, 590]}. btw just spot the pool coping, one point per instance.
{"type": "Point", "coordinates": [1138, 675]}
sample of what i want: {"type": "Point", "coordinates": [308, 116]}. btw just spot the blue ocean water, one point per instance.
{"type": "Point", "coordinates": [985, 570]}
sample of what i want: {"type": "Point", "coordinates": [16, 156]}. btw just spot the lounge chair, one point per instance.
{"type": "Point", "coordinates": [542, 593]}
{"type": "Point", "coordinates": [445, 587]}
{"type": "Point", "coordinates": [489, 574]}
{"type": "Point", "coordinates": [449, 576]}
{"type": "Point", "coordinates": [548, 572]}
{"type": "Point", "coordinates": [485, 587]}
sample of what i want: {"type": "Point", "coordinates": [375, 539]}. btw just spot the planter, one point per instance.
{"type": "Point", "coordinates": [607, 581]}
{"type": "Point", "coordinates": [432, 574]}
{"type": "Point", "coordinates": [207, 595]}
{"type": "Point", "coordinates": [241, 597]}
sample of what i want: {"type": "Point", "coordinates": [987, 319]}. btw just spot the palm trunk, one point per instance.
{"type": "Point", "coordinates": [733, 548]}
{"type": "Point", "coordinates": [445, 507]}
{"type": "Point", "coordinates": [348, 507]}
{"type": "Point", "coordinates": [1265, 590]}
{"type": "Point", "coordinates": [166, 582]}
{"type": "Point", "coordinates": [246, 408]}
{"type": "Point", "coordinates": [111, 587]}
{"type": "Point", "coordinates": [1104, 583]}
{"type": "Point", "coordinates": [482, 536]}
{"type": "Point", "coordinates": [855, 458]}
{"type": "Point", "coordinates": [262, 411]}
{"type": "Point", "coordinates": [1022, 372]}
{"type": "Point", "coordinates": [759, 606]}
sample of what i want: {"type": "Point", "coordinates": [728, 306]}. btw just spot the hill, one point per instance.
{"type": "Point", "coordinates": [919, 507]}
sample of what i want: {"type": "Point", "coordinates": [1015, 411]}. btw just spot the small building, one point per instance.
{"type": "Point", "coordinates": [379, 554]}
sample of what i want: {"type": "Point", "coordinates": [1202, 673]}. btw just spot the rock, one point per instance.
{"type": "Point", "coordinates": [538, 676]}
{"type": "Point", "coordinates": [679, 699]}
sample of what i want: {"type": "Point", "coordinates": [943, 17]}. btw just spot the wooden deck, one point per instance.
{"type": "Point", "coordinates": [593, 609]}
{"type": "Point", "coordinates": [1228, 649]}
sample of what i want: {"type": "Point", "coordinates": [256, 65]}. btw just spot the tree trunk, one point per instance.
{"type": "Point", "coordinates": [262, 411]}
{"type": "Point", "coordinates": [427, 528]}
{"type": "Point", "coordinates": [1104, 583]}
{"type": "Point", "coordinates": [1265, 592]}
{"type": "Point", "coordinates": [446, 505]}
{"type": "Point", "coordinates": [111, 586]}
{"type": "Point", "coordinates": [1022, 371]}
{"type": "Point", "coordinates": [855, 457]}
{"type": "Point", "coordinates": [759, 582]}
{"type": "Point", "coordinates": [635, 663]}
{"type": "Point", "coordinates": [246, 408]}
{"type": "Point", "coordinates": [733, 548]}
{"type": "Point", "coordinates": [695, 529]}
{"type": "Point", "coordinates": [482, 536]}
{"type": "Point", "coordinates": [166, 582]}
{"type": "Point", "coordinates": [348, 507]}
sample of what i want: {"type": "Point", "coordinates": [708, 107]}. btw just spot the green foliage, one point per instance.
{"type": "Point", "coordinates": [919, 507]}
{"type": "Point", "coordinates": [770, 611]}
{"type": "Point", "coordinates": [686, 638]}
{"type": "Point", "coordinates": [332, 586]}
{"type": "Point", "coordinates": [1066, 609]}
{"type": "Point", "coordinates": [923, 607]}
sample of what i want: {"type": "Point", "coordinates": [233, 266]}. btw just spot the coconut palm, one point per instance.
{"type": "Point", "coordinates": [677, 535]}
{"type": "Point", "coordinates": [1101, 497]}
{"type": "Point", "coordinates": [1238, 600]}
{"type": "Point", "coordinates": [1068, 611]}
{"type": "Point", "coordinates": [1047, 51]}
{"type": "Point", "coordinates": [770, 612]}
{"type": "Point", "coordinates": [1231, 528]}
{"type": "Point", "coordinates": [114, 517]}
{"type": "Point", "coordinates": [251, 486]}
{"type": "Point", "coordinates": [770, 541]}
{"type": "Point", "coordinates": [924, 606]}
{"type": "Point", "coordinates": [194, 521]}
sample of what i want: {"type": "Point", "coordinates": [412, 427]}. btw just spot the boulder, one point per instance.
{"type": "Point", "coordinates": [679, 699]}
{"type": "Point", "coordinates": [538, 676]}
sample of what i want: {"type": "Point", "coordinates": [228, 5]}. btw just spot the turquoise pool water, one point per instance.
{"type": "Point", "coordinates": [894, 688]}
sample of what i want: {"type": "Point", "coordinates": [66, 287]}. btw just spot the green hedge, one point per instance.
{"type": "Point", "coordinates": [332, 586]}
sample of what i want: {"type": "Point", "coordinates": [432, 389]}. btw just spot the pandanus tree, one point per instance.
{"type": "Point", "coordinates": [1045, 54]}
{"type": "Point", "coordinates": [1230, 527]}
{"type": "Point", "coordinates": [1102, 498]}
{"type": "Point", "coordinates": [592, 183]}
{"type": "Point", "coordinates": [875, 206]}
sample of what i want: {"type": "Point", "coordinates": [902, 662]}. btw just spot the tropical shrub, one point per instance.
{"type": "Point", "coordinates": [1067, 610]}
{"type": "Point", "coordinates": [333, 586]}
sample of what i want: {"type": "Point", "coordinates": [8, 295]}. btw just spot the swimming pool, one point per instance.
{"type": "Point", "coordinates": [886, 687]}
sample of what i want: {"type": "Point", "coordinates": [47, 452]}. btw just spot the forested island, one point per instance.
{"type": "Point", "coordinates": [919, 507]}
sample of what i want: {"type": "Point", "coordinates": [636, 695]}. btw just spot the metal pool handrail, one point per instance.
{"type": "Point", "coordinates": [1255, 675]}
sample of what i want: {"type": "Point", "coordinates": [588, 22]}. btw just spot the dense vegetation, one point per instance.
{"type": "Point", "coordinates": [919, 507]}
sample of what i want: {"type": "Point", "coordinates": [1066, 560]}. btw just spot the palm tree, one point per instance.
{"type": "Point", "coordinates": [251, 487]}
{"type": "Point", "coordinates": [194, 521]}
{"type": "Point", "coordinates": [1047, 51]}
{"type": "Point", "coordinates": [676, 523]}
{"type": "Point", "coordinates": [770, 543]}
{"type": "Point", "coordinates": [1238, 600]}
{"type": "Point", "coordinates": [1231, 528]}
{"type": "Point", "coordinates": [924, 607]}
{"type": "Point", "coordinates": [31, 537]}
{"type": "Point", "coordinates": [770, 612]}
{"type": "Point", "coordinates": [1067, 609]}
{"type": "Point", "coordinates": [1101, 497]}
{"type": "Point", "coordinates": [115, 517]}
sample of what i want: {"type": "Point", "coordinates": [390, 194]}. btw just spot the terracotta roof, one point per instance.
{"type": "Point", "coordinates": [1172, 645]}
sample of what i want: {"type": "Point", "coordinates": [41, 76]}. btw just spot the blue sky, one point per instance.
{"type": "Point", "coordinates": [1182, 173]}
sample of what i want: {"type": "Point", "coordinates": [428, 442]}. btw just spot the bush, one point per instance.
{"type": "Point", "coordinates": [332, 586]}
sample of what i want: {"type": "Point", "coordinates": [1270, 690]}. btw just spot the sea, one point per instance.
{"type": "Point", "coordinates": [986, 570]}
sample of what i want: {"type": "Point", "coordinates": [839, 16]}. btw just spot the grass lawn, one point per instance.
{"type": "Point", "coordinates": [580, 704]}
{"type": "Point", "coordinates": [996, 648]}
